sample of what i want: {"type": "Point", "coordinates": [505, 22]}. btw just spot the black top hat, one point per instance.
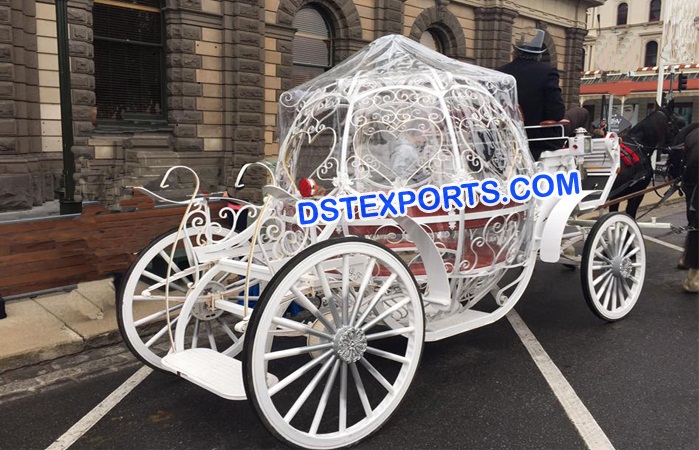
{"type": "Point", "coordinates": [535, 45]}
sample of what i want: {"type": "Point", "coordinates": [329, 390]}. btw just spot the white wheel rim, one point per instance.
{"type": "Point", "coordinates": [147, 333]}
{"type": "Point", "coordinates": [617, 267]}
{"type": "Point", "coordinates": [345, 400]}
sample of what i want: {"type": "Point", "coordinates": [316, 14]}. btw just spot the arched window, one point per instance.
{"type": "Point", "coordinates": [651, 54]}
{"type": "Point", "coordinates": [312, 48]}
{"type": "Point", "coordinates": [430, 39]}
{"type": "Point", "coordinates": [622, 13]}
{"type": "Point", "coordinates": [654, 14]}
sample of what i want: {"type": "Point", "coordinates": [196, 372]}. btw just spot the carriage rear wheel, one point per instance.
{"type": "Point", "coordinates": [141, 306]}
{"type": "Point", "coordinates": [345, 363]}
{"type": "Point", "coordinates": [613, 266]}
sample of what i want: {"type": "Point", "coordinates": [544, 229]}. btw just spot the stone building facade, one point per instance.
{"type": "Point", "coordinates": [224, 63]}
{"type": "Point", "coordinates": [623, 51]}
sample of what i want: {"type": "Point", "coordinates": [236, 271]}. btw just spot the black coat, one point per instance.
{"type": "Point", "coordinates": [539, 96]}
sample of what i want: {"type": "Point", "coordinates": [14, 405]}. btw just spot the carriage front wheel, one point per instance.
{"type": "Point", "coordinates": [613, 266]}
{"type": "Point", "coordinates": [341, 326]}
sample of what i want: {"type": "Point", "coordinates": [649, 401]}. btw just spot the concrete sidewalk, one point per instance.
{"type": "Point", "coordinates": [54, 325]}
{"type": "Point", "coordinates": [49, 326]}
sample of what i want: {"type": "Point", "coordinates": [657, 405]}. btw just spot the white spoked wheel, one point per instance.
{"type": "Point", "coordinates": [322, 328]}
{"type": "Point", "coordinates": [613, 266]}
{"type": "Point", "coordinates": [141, 307]}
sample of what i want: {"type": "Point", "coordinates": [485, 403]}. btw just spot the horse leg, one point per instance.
{"type": "Point", "coordinates": [633, 205]}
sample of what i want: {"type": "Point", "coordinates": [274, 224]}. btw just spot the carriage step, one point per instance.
{"type": "Point", "coordinates": [211, 370]}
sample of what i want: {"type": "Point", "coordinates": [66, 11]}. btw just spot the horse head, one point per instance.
{"type": "Point", "coordinates": [674, 122]}
{"type": "Point", "coordinates": [657, 130]}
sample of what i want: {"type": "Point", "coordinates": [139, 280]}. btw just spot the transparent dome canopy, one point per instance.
{"type": "Point", "coordinates": [397, 114]}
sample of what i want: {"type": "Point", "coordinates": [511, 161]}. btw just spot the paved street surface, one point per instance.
{"type": "Point", "coordinates": [638, 379]}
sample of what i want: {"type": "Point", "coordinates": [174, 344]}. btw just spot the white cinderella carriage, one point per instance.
{"type": "Point", "coordinates": [322, 328]}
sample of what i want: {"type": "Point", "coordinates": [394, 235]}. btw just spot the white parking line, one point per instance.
{"type": "Point", "coordinates": [79, 429]}
{"type": "Point", "coordinates": [586, 425]}
{"type": "Point", "coordinates": [668, 245]}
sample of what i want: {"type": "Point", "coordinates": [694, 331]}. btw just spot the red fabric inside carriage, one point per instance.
{"type": "Point", "coordinates": [473, 255]}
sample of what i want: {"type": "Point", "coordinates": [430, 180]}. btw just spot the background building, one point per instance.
{"type": "Point", "coordinates": [622, 51]}
{"type": "Point", "coordinates": [110, 93]}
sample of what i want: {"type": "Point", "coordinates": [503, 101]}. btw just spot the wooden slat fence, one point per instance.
{"type": "Point", "coordinates": [49, 253]}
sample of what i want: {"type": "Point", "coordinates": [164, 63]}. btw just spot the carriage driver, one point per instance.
{"type": "Point", "coordinates": [538, 91]}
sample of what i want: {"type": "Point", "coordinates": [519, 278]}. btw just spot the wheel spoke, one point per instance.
{"type": "Point", "coordinates": [150, 298]}
{"type": "Point", "coordinates": [345, 288]}
{"type": "Point", "coordinates": [628, 243]}
{"type": "Point", "coordinates": [605, 246]}
{"type": "Point", "coordinates": [323, 281]}
{"type": "Point", "coordinates": [195, 333]}
{"type": "Point", "coordinates": [385, 314]}
{"type": "Point", "coordinates": [160, 333]}
{"type": "Point", "coordinates": [390, 333]}
{"type": "Point", "coordinates": [624, 286]}
{"type": "Point", "coordinates": [387, 355]}
{"type": "Point", "coordinates": [604, 258]}
{"type": "Point", "coordinates": [166, 258]}
{"type": "Point", "coordinates": [612, 243]}
{"type": "Point", "coordinates": [375, 373]}
{"type": "Point", "coordinates": [296, 351]}
{"type": "Point", "coordinates": [608, 292]}
{"type": "Point", "coordinates": [342, 419]}
{"type": "Point", "coordinates": [210, 332]}
{"type": "Point", "coordinates": [632, 252]}
{"type": "Point", "coordinates": [308, 391]}
{"type": "Point", "coordinates": [302, 300]}
{"type": "Point", "coordinates": [227, 330]}
{"type": "Point", "coordinates": [619, 293]}
{"type": "Point", "coordinates": [157, 315]}
{"type": "Point", "coordinates": [362, 288]}
{"type": "Point", "coordinates": [602, 266]}
{"type": "Point", "coordinates": [162, 281]}
{"type": "Point", "coordinates": [298, 373]}
{"type": "Point", "coordinates": [324, 399]}
{"type": "Point", "coordinates": [377, 297]}
{"type": "Point", "coordinates": [600, 278]}
{"type": "Point", "coordinates": [281, 321]}
{"type": "Point", "coordinates": [360, 390]}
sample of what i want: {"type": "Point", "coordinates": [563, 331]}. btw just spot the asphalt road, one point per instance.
{"type": "Point", "coordinates": [481, 390]}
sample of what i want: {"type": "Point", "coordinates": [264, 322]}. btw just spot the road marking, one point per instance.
{"type": "Point", "coordinates": [666, 244]}
{"type": "Point", "coordinates": [83, 426]}
{"type": "Point", "coordinates": [586, 425]}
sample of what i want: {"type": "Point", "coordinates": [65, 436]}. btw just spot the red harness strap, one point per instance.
{"type": "Point", "coordinates": [628, 156]}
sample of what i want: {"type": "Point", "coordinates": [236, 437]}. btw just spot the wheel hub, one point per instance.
{"type": "Point", "coordinates": [349, 344]}
{"type": "Point", "coordinates": [205, 310]}
{"type": "Point", "coordinates": [622, 267]}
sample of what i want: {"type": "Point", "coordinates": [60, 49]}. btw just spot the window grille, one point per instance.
{"type": "Point", "coordinates": [312, 48]}
{"type": "Point", "coordinates": [128, 45]}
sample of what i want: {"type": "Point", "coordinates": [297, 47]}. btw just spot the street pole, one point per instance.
{"type": "Point", "coordinates": [667, 6]}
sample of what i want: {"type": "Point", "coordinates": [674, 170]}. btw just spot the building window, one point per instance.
{"type": "Point", "coordinates": [622, 13]}
{"type": "Point", "coordinates": [312, 48]}
{"type": "Point", "coordinates": [654, 14]}
{"type": "Point", "coordinates": [430, 39]}
{"type": "Point", "coordinates": [651, 54]}
{"type": "Point", "coordinates": [684, 110]}
{"type": "Point", "coordinates": [128, 44]}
